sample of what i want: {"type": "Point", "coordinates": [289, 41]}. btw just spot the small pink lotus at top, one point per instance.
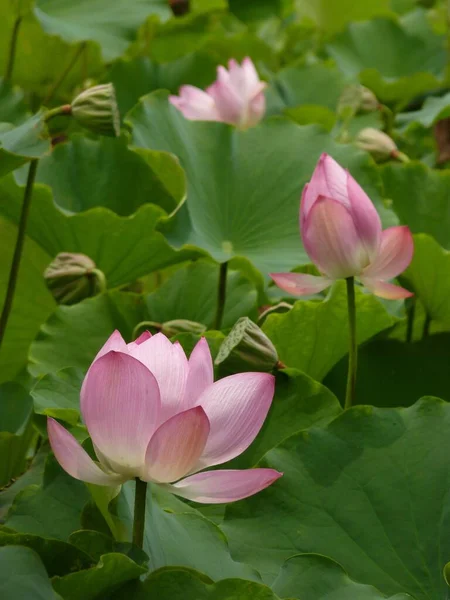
{"type": "Point", "coordinates": [236, 97]}
{"type": "Point", "coordinates": [342, 234]}
{"type": "Point", "coordinates": [155, 415]}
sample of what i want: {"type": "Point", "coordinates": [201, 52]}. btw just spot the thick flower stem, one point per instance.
{"type": "Point", "coordinates": [221, 295]}
{"type": "Point", "coordinates": [139, 512]}
{"type": "Point", "coordinates": [12, 49]}
{"type": "Point", "coordinates": [411, 313]}
{"type": "Point", "coordinates": [426, 327]}
{"type": "Point", "coordinates": [15, 264]}
{"type": "Point", "coordinates": [353, 347]}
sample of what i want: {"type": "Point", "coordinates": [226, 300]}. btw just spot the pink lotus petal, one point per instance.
{"type": "Point", "coordinates": [389, 291]}
{"type": "Point", "coordinates": [114, 342]}
{"type": "Point", "coordinates": [300, 284]}
{"type": "Point", "coordinates": [230, 105]}
{"type": "Point", "coordinates": [195, 104]}
{"type": "Point", "coordinates": [257, 109]}
{"type": "Point", "coordinates": [216, 487]}
{"type": "Point", "coordinates": [146, 335]}
{"type": "Point", "coordinates": [331, 240]}
{"type": "Point", "coordinates": [169, 365]}
{"type": "Point", "coordinates": [176, 446]}
{"type": "Point", "coordinates": [329, 179]}
{"type": "Point", "coordinates": [394, 255]}
{"type": "Point", "coordinates": [201, 373]}
{"type": "Point", "coordinates": [74, 459]}
{"type": "Point", "coordinates": [250, 73]}
{"type": "Point", "coordinates": [120, 403]}
{"type": "Point", "coordinates": [365, 217]}
{"type": "Point", "coordinates": [236, 407]}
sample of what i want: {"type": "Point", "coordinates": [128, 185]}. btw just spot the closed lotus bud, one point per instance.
{"type": "Point", "coordinates": [73, 277]}
{"type": "Point", "coordinates": [247, 347]}
{"type": "Point", "coordinates": [378, 143]}
{"type": "Point", "coordinates": [171, 328]}
{"type": "Point", "coordinates": [357, 98]}
{"type": "Point", "coordinates": [96, 109]}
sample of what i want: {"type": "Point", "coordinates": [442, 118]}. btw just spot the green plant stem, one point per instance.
{"type": "Point", "coordinates": [139, 512]}
{"type": "Point", "coordinates": [64, 74]}
{"type": "Point", "coordinates": [448, 43]}
{"type": "Point", "coordinates": [145, 325]}
{"type": "Point", "coordinates": [388, 119]}
{"type": "Point", "coordinates": [426, 327]}
{"type": "Point", "coordinates": [15, 264]}
{"type": "Point", "coordinates": [100, 279]}
{"type": "Point", "coordinates": [12, 49]}
{"type": "Point", "coordinates": [410, 320]}
{"type": "Point", "coordinates": [353, 347]}
{"type": "Point", "coordinates": [61, 111]}
{"type": "Point", "coordinates": [221, 295]}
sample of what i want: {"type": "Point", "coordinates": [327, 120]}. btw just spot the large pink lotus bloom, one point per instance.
{"type": "Point", "coordinates": [342, 235]}
{"type": "Point", "coordinates": [153, 414]}
{"type": "Point", "coordinates": [236, 97]}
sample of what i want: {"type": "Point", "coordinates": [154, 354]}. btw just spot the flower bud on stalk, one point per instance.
{"type": "Point", "coordinates": [96, 109]}
{"type": "Point", "coordinates": [355, 99]}
{"type": "Point", "coordinates": [247, 347]}
{"type": "Point", "coordinates": [378, 143]}
{"type": "Point", "coordinates": [171, 328]}
{"type": "Point", "coordinates": [73, 277]}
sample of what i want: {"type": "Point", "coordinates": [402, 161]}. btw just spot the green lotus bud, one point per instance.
{"type": "Point", "coordinates": [355, 99]}
{"type": "Point", "coordinates": [378, 143]}
{"type": "Point", "coordinates": [247, 348]}
{"type": "Point", "coordinates": [171, 328]}
{"type": "Point", "coordinates": [72, 277]}
{"type": "Point", "coordinates": [96, 109]}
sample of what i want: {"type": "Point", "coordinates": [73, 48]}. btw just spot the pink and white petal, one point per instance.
{"type": "Point", "coordinates": [236, 407]}
{"type": "Point", "coordinates": [250, 73]}
{"type": "Point", "coordinates": [195, 104]}
{"type": "Point", "coordinates": [256, 109]}
{"type": "Point", "coordinates": [114, 342]}
{"type": "Point", "coordinates": [201, 373]}
{"type": "Point", "coordinates": [74, 459]}
{"type": "Point", "coordinates": [328, 179]}
{"type": "Point", "coordinates": [331, 240]}
{"type": "Point", "coordinates": [365, 217]}
{"type": "Point", "coordinates": [169, 365]}
{"type": "Point", "coordinates": [216, 487]}
{"type": "Point", "coordinates": [176, 446]}
{"type": "Point", "coordinates": [300, 284]}
{"type": "Point", "coordinates": [145, 335]}
{"type": "Point", "coordinates": [120, 403]}
{"type": "Point", "coordinates": [389, 291]}
{"type": "Point", "coordinates": [394, 255]}
{"type": "Point", "coordinates": [229, 103]}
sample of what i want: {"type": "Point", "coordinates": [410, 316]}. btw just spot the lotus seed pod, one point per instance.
{"type": "Point", "coordinates": [96, 109]}
{"type": "Point", "coordinates": [73, 277]}
{"type": "Point", "coordinates": [378, 143]}
{"type": "Point", "coordinates": [171, 328]}
{"type": "Point", "coordinates": [356, 98]}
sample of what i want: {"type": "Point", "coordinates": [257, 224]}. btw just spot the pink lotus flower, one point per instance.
{"type": "Point", "coordinates": [342, 235]}
{"type": "Point", "coordinates": [153, 414]}
{"type": "Point", "coordinates": [236, 97]}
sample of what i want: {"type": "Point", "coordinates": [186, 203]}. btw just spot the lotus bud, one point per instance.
{"type": "Point", "coordinates": [171, 328]}
{"type": "Point", "coordinates": [73, 277]}
{"type": "Point", "coordinates": [96, 109]}
{"type": "Point", "coordinates": [247, 347]}
{"type": "Point", "coordinates": [356, 98]}
{"type": "Point", "coordinates": [378, 143]}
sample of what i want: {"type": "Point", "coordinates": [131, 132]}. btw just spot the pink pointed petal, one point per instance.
{"type": "Point", "coordinates": [257, 109]}
{"type": "Point", "coordinates": [176, 446]}
{"type": "Point", "coordinates": [328, 179]}
{"type": "Point", "coordinates": [146, 335]}
{"type": "Point", "coordinates": [216, 487]}
{"type": "Point", "coordinates": [250, 73]}
{"type": "Point", "coordinates": [114, 342]}
{"type": "Point", "coordinates": [236, 407]}
{"type": "Point", "coordinates": [201, 373]}
{"type": "Point", "coordinates": [169, 365]}
{"type": "Point", "coordinates": [331, 240]}
{"type": "Point", "coordinates": [365, 217]}
{"type": "Point", "coordinates": [389, 291]}
{"type": "Point", "coordinates": [300, 284]}
{"type": "Point", "coordinates": [74, 459]}
{"type": "Point", "coordinates": [120, 403]}
{"type": "Point", "coordinates": [229, 104]}
{"type": "Point", "coordinates": [195, 104]}
{"type": "Point", "coordinates": [394, 255]}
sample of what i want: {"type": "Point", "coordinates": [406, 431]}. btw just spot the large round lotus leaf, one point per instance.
{"type": "Point", "coordinates": [331, 16]}
{"type": "Point", "coordinates": [19, 145]}
{"type": "Point", "coordinates": [397, 60]}
{"type": "Point", "coordinates": [315, 577]}
{"type": "Point", "coordinates": [113, 26]}
{"type": "Point", "coordinates": [236, 204]}
{"type": "Point", "coordinates": [420, 196]}
{"type": "Point", "coordinates": [370, 490]}
{"type": "Point", "coordinates": [124, 248]}
{"type": "Point", "coordinates": [84, 173]}
{"type": "Point", "coordinates": [12, 105]}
